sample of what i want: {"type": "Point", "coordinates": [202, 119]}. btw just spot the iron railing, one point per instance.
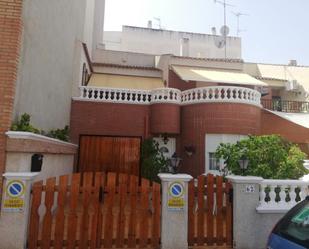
{"type": "Point", "coordinates": [285, 105]}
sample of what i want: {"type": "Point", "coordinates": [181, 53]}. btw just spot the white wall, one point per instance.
{"type": "Point", "coordinates": [53, 164]}
{"type": "Point", "coordinates": [89, 24]}
{"type": "Point", "coordinates": [51, 58]}
{"type": "Point", "coordinates": [123, 58]}
{"type": "Point", "coordinates": [155, 41]}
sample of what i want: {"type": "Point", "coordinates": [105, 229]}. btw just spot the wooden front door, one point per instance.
{"type": "Point", "coordinates": [109, 154]}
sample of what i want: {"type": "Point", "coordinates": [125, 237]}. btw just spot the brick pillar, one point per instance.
{"type": "Point", "coordinates": [10, 37]}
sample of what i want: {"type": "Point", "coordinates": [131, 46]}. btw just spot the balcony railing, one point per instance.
{"type": "Point", "coordinates": [281, 195]}
{"type": "Point", "coordinates": [171, 95]}
{"type": "Point", "coordinates": [285, 106]}
{"type": "Point", "coordinates": [130, 96]}
{"type": "Point", "coordinates": [221, 94]}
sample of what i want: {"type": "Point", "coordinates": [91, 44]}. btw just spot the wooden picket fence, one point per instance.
{"type": "Point", "coordinates": [95, 210]}
{"type": "Point", "coordinates": [210, 211]}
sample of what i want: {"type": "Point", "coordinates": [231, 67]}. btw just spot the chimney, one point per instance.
{"type": "Point", "coordinates": [98, 24]}
{"type": "Point", "coordinates": [184, 47]}
{"type": "Point", "coordinates": [149, 25]}
{"type": "Point", "coordinates": [293, 63]}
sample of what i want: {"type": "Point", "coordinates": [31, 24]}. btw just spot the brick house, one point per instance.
{"type": "Point", "coordinates": [186, 104]}
{"type": "Point", "coordinates": [112, 100]}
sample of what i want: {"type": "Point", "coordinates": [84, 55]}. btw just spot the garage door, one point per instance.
{"type": "Point", "coordinates": [109, 154]}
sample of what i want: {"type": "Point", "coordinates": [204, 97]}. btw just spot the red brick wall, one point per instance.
{"type": "Point", "coordinates": [91, 118]}
{"type": "Point", "coordinates": [196, 120]}
{"type": "Point", "coordinates": [273, 124]}
{"type": "Point", "coordinates": [165, 118]}
{"type": "Point", "coordinates": [221, 118]}
{"type": "Point", "coordinates": [10, 36]}
{"type": "Point", "coordinates": [175, 82]}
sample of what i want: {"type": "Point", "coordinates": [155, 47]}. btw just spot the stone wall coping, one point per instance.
{"type": "Point", "coordinates": [285, 182]}
{"type": "Point", "coordinates": [279, 210]}
{"type": "Point", "coordinates": [20, 175]}
{"type": "Point", "coordinates": [27, 142]}
{"type": "Point", "coordinates": [175, 177]}
{"type": "Point", "coordinates": [33, 136]}
{"type": "Point", "coordinates": [244, 179]}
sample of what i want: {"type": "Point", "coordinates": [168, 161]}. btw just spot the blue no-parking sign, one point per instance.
{"type": "Point", "coordinates": [176, 201]}
{"type": "Point", "coordinates": [14, 196]}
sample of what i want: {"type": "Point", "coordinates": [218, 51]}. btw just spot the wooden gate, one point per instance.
{"type": "Point", "coordinates": [109, 154]}
{"type": "Point", "coordinates": [210, 211]}
{"type": "Point", "coordinates": [95, 210]}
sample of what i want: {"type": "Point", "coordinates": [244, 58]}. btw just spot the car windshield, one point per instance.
{"type": "Point", "coordinates": [295, 226]}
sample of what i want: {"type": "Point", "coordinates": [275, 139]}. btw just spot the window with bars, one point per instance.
{"type": "Point", "coordinates": [214, 163]}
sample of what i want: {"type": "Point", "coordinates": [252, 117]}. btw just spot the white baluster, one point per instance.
{"type": "Point", "coordinates": [293, 194]}
{"type": "Point", "coordinates": [282, 195]}
{"type": "Point", "coordinates": [262, 194]}
{"type": "Point", "coordinates": [302, 193]}
{"type": "Point", "coordinates": [272, 195]}
{"type": "Point", "coordinates": [225, 93]}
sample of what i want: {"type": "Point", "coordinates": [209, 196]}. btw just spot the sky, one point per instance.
{"type": "Point", "coordinates": [275, 31]}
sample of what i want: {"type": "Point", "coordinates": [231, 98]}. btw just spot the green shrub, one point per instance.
{"type": "Point", "coordinates": [153, 161]}
{"type": "Point", "coordinates": [61, 134]}
{"type": "Point", "coordinates": [270, 157]}
{"type": "Point", "coordinates": [23, 124]}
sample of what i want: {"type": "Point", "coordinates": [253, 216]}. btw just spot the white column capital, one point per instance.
{"type": "Point", "coordinates": [28, 176]}
{"type": "Point", "coordinates": [245, 179]}
{"type": "Point", "coordinates": [166, 177]}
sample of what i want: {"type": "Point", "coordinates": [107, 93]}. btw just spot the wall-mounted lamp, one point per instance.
{"type": "Point", "coordinates": [165, 138]}
{"type": "Point", "coordinates": [174, 163]}
{"type": "Point", "coordinates": [243, 163]}
{"type": "Point", "coordinates": [190, 150]}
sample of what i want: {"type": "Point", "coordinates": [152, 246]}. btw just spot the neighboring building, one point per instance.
{"type": "Point", "coordinates": [160, 41]}
{"type": "Point", "coordinates": [41, 56]}
{"type": "Point", "coordinates": [52, 57]}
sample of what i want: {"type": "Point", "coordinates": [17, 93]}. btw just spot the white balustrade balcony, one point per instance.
{"type": "Point", "coordinates": [165, 95]}
{"type": "Point", "coordinates": [115, 95]}
{"type": "Point", "coordinates": [221, 94]}
{"type": "Point", "coordinates": [281, 195]}
{"type": "Point", "coordinates": [172, 95]}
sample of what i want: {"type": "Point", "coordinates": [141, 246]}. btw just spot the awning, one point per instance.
{"type": "Point", "coordinates": [272, 82]}
{"type": "Point", "coordinates": [301, 119]}
{"type": "Point", "coordinates": [215, 76]}
{"type": "Point", "coordinates": [298, 73]}
{"type": "Point", "coordinates": [123, 81]}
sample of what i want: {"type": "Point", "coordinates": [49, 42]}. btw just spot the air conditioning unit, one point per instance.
{"type": "Point", "coordinates": [291, 85]}
{"type": "Point", "coordinates": [262, 90]}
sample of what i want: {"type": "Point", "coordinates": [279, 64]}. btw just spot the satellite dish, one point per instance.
{"type": "Point", "coordinates": [220, 42]}
{"type": "Point", "coordinates": [224, 30]}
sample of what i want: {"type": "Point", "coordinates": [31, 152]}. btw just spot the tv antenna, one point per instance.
{"type": "Point", "coordinates": [238, 15]}
{"type": "Point", "coordinates": [224, 29]}
{"type": "Point", "coordinates": [158, 19]}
